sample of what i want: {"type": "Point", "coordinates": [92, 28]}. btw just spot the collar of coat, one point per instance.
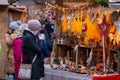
{"type": "Point", "coordinates": [19, 34]}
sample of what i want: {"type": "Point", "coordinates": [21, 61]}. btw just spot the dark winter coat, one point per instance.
{"type": "Point", "coordinates": [49, 27]}
{"type": "Point", "coordinates": [30, 47]}
{"type": "Point", "coordinates": [48, 41]}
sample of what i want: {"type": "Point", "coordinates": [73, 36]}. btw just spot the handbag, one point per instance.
{"type": "Point", "coordinates": [25, 69]}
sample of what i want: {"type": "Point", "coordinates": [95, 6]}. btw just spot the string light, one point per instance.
{"type": "Point", "coordinates": [62, 8]}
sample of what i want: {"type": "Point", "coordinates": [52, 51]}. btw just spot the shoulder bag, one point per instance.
{"type": "Point", "coordinates": [25, 69]}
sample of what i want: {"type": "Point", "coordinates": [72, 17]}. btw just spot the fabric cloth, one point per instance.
{"type": "Point", "coordinates": [108, 77]}
{"type": "Point", "coordinates": [30, 47]}
{"type": "Point", "coordinates": [34, 25]}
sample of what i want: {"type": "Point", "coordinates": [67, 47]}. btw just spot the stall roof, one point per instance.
{"type": "Point", "coordinates": [4, 2]}
{"type": "Point", "coordinates": [30, 2]}
{"type": "Point", "coordinates": [114, 4]}
{"type": "Point", "coordinates": [25, 2]}
{"type": "Point", "coordinates": [73, 4]}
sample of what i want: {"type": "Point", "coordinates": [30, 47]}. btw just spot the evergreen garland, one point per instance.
{"type": "Point", "coordinates": [102, 2]}
{"type": "Point", "coordinates": [59, 2]}
{"type": "Point", "coordinates": [11, 1]}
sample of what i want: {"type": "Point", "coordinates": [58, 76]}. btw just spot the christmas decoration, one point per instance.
{"type": "Point", "coordinates": [11, 1]}
{"type": "Point", "coordinates": [59, 2]}
{"type": "Point", "coordinates": [104, 27]}
{"type": "Point", "coordinates": [104, 32]}
{"type": "Point", "coordinates": [101, 2]}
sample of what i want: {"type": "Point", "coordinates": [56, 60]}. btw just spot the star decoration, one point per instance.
{"type": "Point", "coordinates": [104, 26]}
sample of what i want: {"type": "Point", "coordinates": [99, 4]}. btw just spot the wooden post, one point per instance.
{"type": "Point", "coordinates": [57, 21]}
{"type": "Point", "coordinates": [118, 52]}
{"type": "Point", "coordinates": [3, 29]}
{"type": "Point", "coordinates": [58, 14]}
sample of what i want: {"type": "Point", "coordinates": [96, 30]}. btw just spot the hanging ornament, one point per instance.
{"type": "Point", "coordinates": [76, 18]}
{"type": "Point", "coordinates": [84, 16]}
{"type": "Point", "coordinates": [69, 22]}
{"type": "Point", "coordinates": [95, 18]}
{"type": "Point", "coordinates": [91, 13]}
{"type": "Point", "coordinates": [118, 26]}
{"type": "Point", "coordinates": [53, 15]}
{"type": "Point", "coordinates": [59, 17]}
{"type": "Point", "coordinates": [84, 27]}
{"type": "Point", "coordinates": [73, 15]}
{"type": "Point", "coordinates": [62, 18]}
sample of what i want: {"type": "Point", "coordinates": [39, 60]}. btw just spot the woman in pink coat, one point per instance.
{"type": "Point", "coordinates": [17, 50]}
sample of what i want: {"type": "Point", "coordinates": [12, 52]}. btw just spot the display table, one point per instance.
{"type": "Point", "coordinates": [52, 74]}
{"type": "Point", "coordinates": [107, 77]}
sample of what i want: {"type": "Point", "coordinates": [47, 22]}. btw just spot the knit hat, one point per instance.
{"type": "Point", "coordinates": [15, 25]}
{"type": "Point", "coordinates": [34, 25]}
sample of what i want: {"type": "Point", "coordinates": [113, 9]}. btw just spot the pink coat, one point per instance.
{"type": "Point", "coordinates": [17, 51]}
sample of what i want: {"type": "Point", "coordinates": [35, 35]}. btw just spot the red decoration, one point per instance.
{"type": "Point", "coordinates": [53, 17]}
{"type": "Point", "coordinates": [104, 32]}
{"type": "Point", "coordinates": [104, 27]}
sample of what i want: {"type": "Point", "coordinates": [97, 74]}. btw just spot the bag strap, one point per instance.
{"type": "Point", "coordinates": [32, 60]}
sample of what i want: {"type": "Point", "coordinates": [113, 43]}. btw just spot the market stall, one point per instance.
{"type": "Point", "coordinates": [87, 40]}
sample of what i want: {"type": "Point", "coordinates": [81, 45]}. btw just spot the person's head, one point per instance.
{"type": "Point", "coordinates": [42, 24]}
{"type": "Point", "coordinates": [34, 26]}
{"type": "Point", "coordinates": [14, 26]}
{"type": "Point", "coordinates": [49, 19]}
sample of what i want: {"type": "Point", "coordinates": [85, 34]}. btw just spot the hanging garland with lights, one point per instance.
{"type": "Point", "coordinates": [11, 1]}
{"type": "Point", "coordinates": [59, 2]}
{"type": "Point", "coordinates": [102, 2]}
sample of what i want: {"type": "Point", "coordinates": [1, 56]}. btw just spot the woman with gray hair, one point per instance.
{"type": "Point", "coordinates": [30, 48]}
